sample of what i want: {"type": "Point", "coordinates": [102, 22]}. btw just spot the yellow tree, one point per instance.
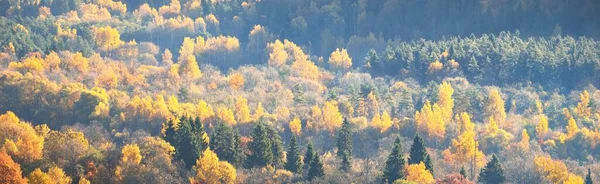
{"type": "Point", "coordinates": [541, 129]}
{"type": "Point", "coordinates": [464, 149]}
{"type": "Point", "coordinates": [524, 143]}
{"type": "Point", "coordinates": [296, 126]}
{"type": "Point", "coordinates": [38, 176]}
{"type": "Point", "coordinates": [210, 170]}
{"type": "Point", "coordinates": [242, 111]}
{"type": "Point", "coordinates": [583, 107]}
{"type": "Point", "coordinates": [131, 153]}
{"type": "Point", "coordinates": [186, 49]}
{"type": "Point", "coordinates": [373, 104]}
{"type": "Point", "coordinates": [277, 54]}
{"type": "Point", "coordinates": [189, 68]}
{"type": "Point", "coordinates": [10, 170]}
{"type": "Point", "coordinates": [306, 69]}
{"type": "Point", "coordinates": [376, 121]}
{"type": "Point", "coordinates": [553, 171]}
{"type": "Point", "coordinates": [339, 60]}
{"type": "Point", "coordinates": [332, 116]}
{"type": "Point", "coordinates": [259, 112]}
{"type": "Point", "coordinates": [572, 127]}
{"type": "Point", "coordinates": [226, 115]}
{"type": "Point", "coordinates": [465, 122]}
{"type": "Point", "coordinates": [19, 139]}
{"type": "Point", "coordinates": [204, 110]}
{"type": "Point", "coordinates": [419, 174]}
{"type": "Point", "coordinates": [107, 38]}
{"type": "Point", "coordinates": [386, 122]}
{"type": "Point", "coordinates": [236, 81]}
{"type": "Point", "coordinates": [429, 121]}
{"type": "Point", "coordinates": [494, 108]}
{"type": "Point", "coordinates": [445, 101]}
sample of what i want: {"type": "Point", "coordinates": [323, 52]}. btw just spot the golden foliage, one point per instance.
{"type": "Point", "coordinates": [131, 153]}
{"type": "Point", "coordinates": [10, 170]}
{"type": "Point", "coordinates": [204, 110]}
{"type": "Point", "coordinates": [306, 69]}
{"type": "Point", "coordinates": [171, 9]}
{"type": "Point", "coordinates": [187, 48]}
{"type": "Point", "coordinates": [55, 175]}
{"type": "Point", "coordinates": [553, 171]}
{"type": "Point", "coordinates": [210, 170]}
{"type": "Point", "coordinates": [277, 54]}
{"type": "Point", "coordinates": [226, 115]}
{"type": "Point", "coordinates": [494, 108]}
{"type": "Point", "coordinates": [419, 174]}
{"type": "Point", "coordinates": [463, 149]}
{"type": "Point", "coordinates": [296, 126]}
{"type": "Point", "coordinates": [383, 122]}
{"type": "Point", "coordinates": [332, 118]}
{"type": "Point", "coordinates": [541, 129]}
{"type": "Point", "coordinates": [583, 106]}
{"type": "Point", "coordinates": [189, 68]}
{"type": "Point", "coordinates": [445, 101]}
{"type": "Point", "coordinates": [37, 176]}
{"type": "Point", "coordinates": [572, 127]}
{"type": "Point", "coordinates": [435, 66]}
{"type": "Point", "coordinates": [93, 13]}
{"type": "Point", "coordinates": [429, 121]}
{"type": "Point", "coordinates": [114, 6]}
{"type": "Point", "coordinates": [524, 143]}
{"type": "Point", "coordinates": [236, 81]}
{"type": "Point", "coordinates": [31, 64]}
{"type": "Point", "coordinates": [242, 111]}
{"type": "Point", "coordinates": [19, 139]}
{"type": "Point", "coordinates": [340, 60]}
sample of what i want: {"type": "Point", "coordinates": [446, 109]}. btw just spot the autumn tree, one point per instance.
{"type": "Point", "coordinates": [204, 110]}
{"type": "Point", "coordinates": [344, 146]}
{"type": "Point", "coordinates": [583, 108]}
{"type": "Point", "coordinates": [494, 107]}
{"type": "Point", "coordinates": [332, 118]}
{"type": "Point", "coordinates": [339, 60]}
{"type": "Point", "coordinates": [492, 172]}
{"type": "Point", "coordinates": [19, 139]}
{"type": "Point", "coordinates": [10, 170]}
{"type": "Point", "coordinates": [226, 115]}
{"type": "Point", "coordinates": [445, 101]}
{"type": "Point", "coordinates": [107, 38]}
{"type": "Point", "coordinates": [296, 126]}
{"type": "Point", "coordinates": [189, 68]}
{"type": "Point", "coordinates": [294, 162]}
{"type": "Point", "coordinates": [419, 174]}
{"type": "Point", "coordinates": [541, 129]}
{"type": "Point", "coordinates": [464, 148]}
{"type": "Point", "coordinates": [242, 111]}
{"type": "Point", "coordinates": [236, 81]}
{"type": "Point", "coordinates": [429, 120]}
{"type": "Point", "coordinates": [209, 169]}
{"type": "Point", "coordinates": [394, 166]}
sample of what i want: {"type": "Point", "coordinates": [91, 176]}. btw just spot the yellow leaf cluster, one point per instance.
{"type": "Point", "coordinates": [554, 171]}
{"type": "Point", "coordinates": [583, 106]}
{"type": "Point", "coordinates": [494, 108]}
{"type": "Point", "coordinates": [296, 126]}
{"type": "Point", "coordinates": [226, 115]}
{"type": "Point", "coordinates": [340, 60]}
{"type": "Point", "coordinates": [541, 129]}
{"type": "Point", "coordinates": [383, 122]}
{"type": "Point", "coordinates": [189, 68]}
{"type": "Point", "coordinates": [445, 101]}
{"type": "Point", "coordinates": [435, 66]}
{"type": "Point", "coordinates": [204, 110]}
{"type": "Point", "coordinates": [210, 170]}
{"type": "Point", "coordinates": [19, 139]}
{"type": "Point", "coordinates": [332, 118]}
{"type": "Point", "coordinates": [242, 111]}
{"type": "Point", "coordinates": [430, 122]}
{"type": "Point", "coordinates": [419, 174]}
{"type": "Point", "coordinates": [31, 64]}
{"type": "Point", "coordinates": [465, 147]}
{"type": "Point", "coordinates": [236, 81]}
{"type": "Point", "coordinates": [93, 13]}
{"type": "Point", "coordinates": [131, 153]}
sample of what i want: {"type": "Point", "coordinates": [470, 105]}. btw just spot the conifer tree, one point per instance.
{"type": "Point", "coordinates": [344, 145]}
{"type": "Point", "coordinates": [222, 142]}
{"type": "Point", "coordinates": [588, 177]}
{"type": "Point", "coordinates": [276, 146]}
{"type": "Point", "coordinates": [463, 172]}
{"type": "Point", "coordinates": [417, 151]}
{"type": "Point", "coordinates": [293, 163]}
{"type": "Point", "coordinates": [492, 173]}
{"type": "Point", "coordinates": [429, 164]}
{"type": "Point", "coordinates": [308, 156]}
{"type": "Point", "coordinates": [316, 168]}
{"type": "Point", "coordinates": [394, 166]}
{"type": "Point", "coordinates": [238, 157]}
{"type": "Point", "coordinates": [261, 154]}
{"type": "Point", "coordinates": [189, 140]}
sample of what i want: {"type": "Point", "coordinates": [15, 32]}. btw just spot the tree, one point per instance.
{"type": "Point", "coordinates": [332, 116]}
{"type": "Point", "coordinates": [38, 176]}
{"type": "Point", "coordinates": [19, 139]}
{"type": "Point", "coordinates": [261, 154]}
{"type": "Point", "coordinates": [492, 172]}
{"type": "Point", "coordinates": [344, 145]}
{"type": "Point", "coordinates": [131, 153]}
{"type": "Point", "coordinates": [463, 172]}
{"type": "Point", "coordinates": [445, 100]}
{"type": "Point", "coordinates": [293, 163]}
{"type": "Point", "coordinates": [339, 60]}
{"type": "Point", "coordinates": [223, 143]}
{"type": "Point", "coordinates": [296, 126]}
{"type": "Point", "coordinates": [10, 170]}
{"type": "Point", "coordinates": [236, 81]}
{"type": "Point", "coordinates": [418, 153]}
{"type": "Point", "coordinates": [394, 166]}
{"type": "Point", "coordinates": [309, 155]}
{"type": "Point", "coordinates": [189, 68]}
{"type": "Point", "coordinates": [419, 174]}
{"type": "Point", "coordinates": [494, 107]}
{"type": "Point", "coordinates": [107, 38]}
{"type": "Point", "coordinates": [541, 129]}
{"type": "Point", "coordinates": [583, 108]}
{"type": "Point", "coordinates": [588, 177]}
{"type": "Point", "coordinates": [190, 140]}
{"type": "Point", "coordinates": [316, 168]}
{"type": "Point", "coordinates": [210, 170]}
{"type": "Point", "coordinates": [242, 111]}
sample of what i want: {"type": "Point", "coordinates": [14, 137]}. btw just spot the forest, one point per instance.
{"type": "Point", "coordinates": [299, 91]}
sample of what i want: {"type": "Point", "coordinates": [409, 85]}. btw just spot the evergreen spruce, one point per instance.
{"type": "Point", "coordinates": [463, 172]}
{"type": "Point", "coordinates": [316, 168]}
{"type": "Point", "coordinates": [588, 178]}
{"type": "Point", "coordinates": [238, 157]}
{"type": "Point", "coordinates": [189, 141]}
{"type": "Point", "coordinates": [394, 166]}
{"type": "Point", "coordinates": [260, 154]}
{"type": "Point", "coordinates": [418, 153]}
{"type": "Point", "coordinates": [308, 156]}
{"type": "Point", "coordinates": [170, 133]}
{"type": "Point", "coordinates": [293, 164]}
{"type": "Point", "coordinates": [222, 142]}
{"type": "Point", "coordinates": [276, 146]}
{"type": "Point", "coordinates": [492, 173]}
{"type": "Point", "coordinates": [344, 145]}
{"type": "Point", "coordinates": [429, 164]}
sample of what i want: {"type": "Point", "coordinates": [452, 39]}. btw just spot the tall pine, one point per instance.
{"type": "Point", "coordinates": [394, 166]}
{"type": "Point", "coordinates": [293, 163]}
{"type": "Point", "coordinates": [222, 142]}
{"type": "Point", "coordinates": [316, 168]}
{"type": "Point", "coordinates": [419, 154]}
{"type": "Point", "coordinates": [188, 139]}
{"type": "Point", "coordinates": [238, 155]}
{"type": "Point", "coordinates": [492, 173]}
{"type": "Point", "coordinates": [276, 146]}
{"type": "Point", "coordinates": [588, 178]}
{"type": "Point", "coordinates": [261, 153]}
{"type": "Point", "coordinates": [344, 145]}
{"type": "Point", "coordinates": [308, 156]}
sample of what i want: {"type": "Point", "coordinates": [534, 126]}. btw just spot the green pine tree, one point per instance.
{"type": "Point", "coordinates": [222, 142]}
{"type": "Point", "coordinates": [308, 156]}
{"type": "Point", "coordinates": [276, 147]}
{"type": "Point", "coordinates": [170, 133]}
{"type": "Point", "coordinates": [190, 142]}
{"type": "Point", "coordinates": [418, 153]}
{"type": "Point", "coordinates": [316, 168]}
{"type": "Point", "coordinates": [261, 154]}
{"type": "Point", "coordinates": [588, 178]}
{"type": "Point", "coordinates": [293, 164]}
{"type": "Point", "coordinates": [463, 172]}
{"type": "Point", "coordinates": [344, 145]}
{"type": "Point", "coordinates": [429, 164]}
{"type": "Point", "coordinates": [492, 173]}
{"type": "Point", "coordinates": [238, 155]}
{"type": "Point", "coordinates": [394, 166]}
